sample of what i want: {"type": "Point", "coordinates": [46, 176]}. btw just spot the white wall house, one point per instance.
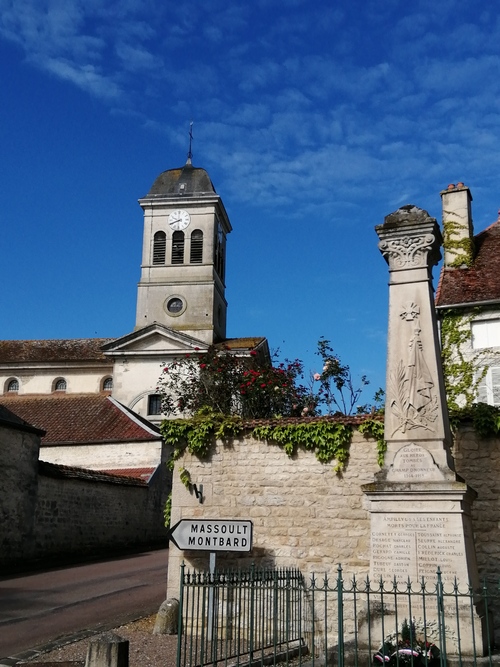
{"type": "Point", "coordinates": [469, 286]}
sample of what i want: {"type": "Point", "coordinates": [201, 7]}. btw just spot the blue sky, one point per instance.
{"type": "Point", "coordinates": [314, 121]}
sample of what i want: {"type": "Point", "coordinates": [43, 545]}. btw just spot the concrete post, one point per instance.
{"type": "Point", "coordinates": [107, 650]}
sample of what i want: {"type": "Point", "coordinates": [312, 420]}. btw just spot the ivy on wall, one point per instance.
{"type": "Point", "coordinates": [485, 419]}
{"type": "Point", "coordinates": [462, 248]}
{"type": "Point", "coordinates": [464, 369]}
{"type": "Point", "coordinates": [328, 439]}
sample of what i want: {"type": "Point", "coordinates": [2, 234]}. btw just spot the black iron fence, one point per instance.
{"type": "Point", "coordinates": [262, 616]}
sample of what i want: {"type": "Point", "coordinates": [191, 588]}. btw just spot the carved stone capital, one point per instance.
{"type": "Point", "coordinates": [410, 238]}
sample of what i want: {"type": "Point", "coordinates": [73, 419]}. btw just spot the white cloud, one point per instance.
{"type": "Point", "coordinates": [85, 77]}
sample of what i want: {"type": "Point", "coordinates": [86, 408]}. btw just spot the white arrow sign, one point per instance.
{"type": "Point", "coordinates": [212, 535]}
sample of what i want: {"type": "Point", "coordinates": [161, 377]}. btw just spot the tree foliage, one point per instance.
{"type": "Point", "coordinates": [251, 388]}
{"type": "Point", "coordinates": [234, 385]}
{"type": "Point", "coordinates": [337, 392]}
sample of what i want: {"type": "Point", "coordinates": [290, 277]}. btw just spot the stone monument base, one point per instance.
{"type": "Point", "coordinates": [422, 546]}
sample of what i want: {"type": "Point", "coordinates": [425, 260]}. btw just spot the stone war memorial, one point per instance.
{"type": "Point", "coordinates": [420, 509]}
{"type": "Point", "coordinates": [402, 531]}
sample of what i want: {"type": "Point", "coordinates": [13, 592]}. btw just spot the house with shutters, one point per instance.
{"type": "Point", "coordinates": [469, 290]}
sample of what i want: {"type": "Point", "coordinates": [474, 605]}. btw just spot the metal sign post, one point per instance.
{"type": "Point", "coordinates": [212, 535]}
{"type": "Point", "coordinates": [211, 567]}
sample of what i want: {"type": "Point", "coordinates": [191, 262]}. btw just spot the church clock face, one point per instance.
{"type": "Point", "coordinates": [179, 219]}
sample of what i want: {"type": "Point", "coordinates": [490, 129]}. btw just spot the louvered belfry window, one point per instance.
{"type": "Point", "coordinates": [220, 252]}
{"type": "Point", "coordinates": [159, 247]}
{"type": "Point", "coordinates": [196, 256]}
{"type": "Point", "coordinates": [178, 248]}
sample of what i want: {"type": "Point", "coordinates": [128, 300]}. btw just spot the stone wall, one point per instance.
{"type": "Point", "coordinates": [18, 486]}
{"type": "Point", "coordinates": [87, 517]}
{"type": "Point", "coordinates": [303, 513]}
{"type": "Point", "coordinates": [49, 512]}
{"type": "Point", "coordinates": [307, 516]}
{"type": "Point", "coordinates": [477, 460]}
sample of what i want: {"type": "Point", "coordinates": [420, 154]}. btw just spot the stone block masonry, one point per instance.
{"type": "Point", "coordinates": [304, 514]}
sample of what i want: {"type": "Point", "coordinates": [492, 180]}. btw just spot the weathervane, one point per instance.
{"type": "Point", "coordinates": [190, 152]}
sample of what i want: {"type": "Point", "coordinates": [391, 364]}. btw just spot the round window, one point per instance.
{"type": "Point", "coordinates": [175, 305]}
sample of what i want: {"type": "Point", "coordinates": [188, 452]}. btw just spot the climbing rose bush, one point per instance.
{"type": "Point", "coordinates": [231, 384]}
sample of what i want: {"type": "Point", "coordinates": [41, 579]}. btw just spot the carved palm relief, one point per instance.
{"type": "Point", "coordinates": [414, 403]}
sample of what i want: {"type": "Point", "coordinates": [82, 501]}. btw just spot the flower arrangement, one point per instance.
{"type": "Point", "coordinates": [408, 649]}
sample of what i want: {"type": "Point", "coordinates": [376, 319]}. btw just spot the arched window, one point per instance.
{"type": "Point", "coordinates": [159, 248]}
{"type": "Point", "coordinates": [178, 248]}
{"type": "Point", "coordinates": [13, 385]}
{"type": "Point", "coordinates": [107, 384]}
{"type": "Point", "coordinates": [196, 255]}
{"type": "Point", "coordinates": [154, 404]}
{"type": "Point", "coordinates": [60, 384]}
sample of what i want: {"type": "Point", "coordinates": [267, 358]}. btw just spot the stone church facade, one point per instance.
{"type": "Point", "coordinates": [79, 419]}
{"type": "Point", "coordinates": [181, 308]}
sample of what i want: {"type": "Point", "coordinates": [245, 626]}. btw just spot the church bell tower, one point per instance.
{"type": "Point", "coordinates": [182, 281]}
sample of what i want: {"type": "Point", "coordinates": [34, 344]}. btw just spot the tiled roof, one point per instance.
{"type": "Point", "coordinates": [248, 343]}
{"type": "Point", "coordinates": [144, 474]}
{"type": "Point", "coordinates": [79, 418]}
{"type": "Point", "coordinates": [480, 282]}
{"type": "Point", "coordinates": [60, 471]}
{"type": "Point", "coordinates": [12, 420]}
{"type": "Point", "coordinates": [78, 349]}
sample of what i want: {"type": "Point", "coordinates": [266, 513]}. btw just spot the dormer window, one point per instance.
{"type": "Point", "coordinates": [196, 254]}
{"type": "Point", "coordinates": [13, 385]}
{"type": "Point", "coordinates": [178, 248]}
{"type": "Point", "coordinates": [159, 248]}
{"type": "Point", "coordinates": [107, 384]}
{"type": "Point", "coordinates": [60, 384]}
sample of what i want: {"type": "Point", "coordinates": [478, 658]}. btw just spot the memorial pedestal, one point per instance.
{"type": "Point", "coordinates": [420, 511]}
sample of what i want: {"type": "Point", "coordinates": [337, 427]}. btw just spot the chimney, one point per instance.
{"type": "Point", "coordinates": [458, 230]}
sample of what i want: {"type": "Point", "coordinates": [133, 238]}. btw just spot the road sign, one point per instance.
{"type": "Point", "coordinates": [212, 535]}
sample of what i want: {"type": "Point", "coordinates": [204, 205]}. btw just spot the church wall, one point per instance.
{"type": "Point", "coordinates": [307, 516]}
{"type": "Point", "coordinates": [41, 380]}
{"type": "Point", "coordinates": [18, 486]}
{"type": "Point", "coordinates": [105, 456]}
{"type": "Point", "coordinates": [135, 379]}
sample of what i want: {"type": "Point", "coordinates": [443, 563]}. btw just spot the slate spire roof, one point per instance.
{"type": "Point", "coordinates": [184, 181]}
{"type": "Point", "coordinates": [479, 283]}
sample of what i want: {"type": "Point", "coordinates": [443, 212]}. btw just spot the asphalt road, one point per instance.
{"type": "Point", "coordinates": [40, 607]}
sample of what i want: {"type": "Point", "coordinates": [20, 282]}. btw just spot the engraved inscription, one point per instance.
{"type": "Point", "coordinates": [413, 545]}
{"type": "Point", "coordinates": [413, 462]}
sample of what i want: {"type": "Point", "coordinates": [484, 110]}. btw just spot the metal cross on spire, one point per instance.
{"type": "Point", "coordinates": [190, 152]}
